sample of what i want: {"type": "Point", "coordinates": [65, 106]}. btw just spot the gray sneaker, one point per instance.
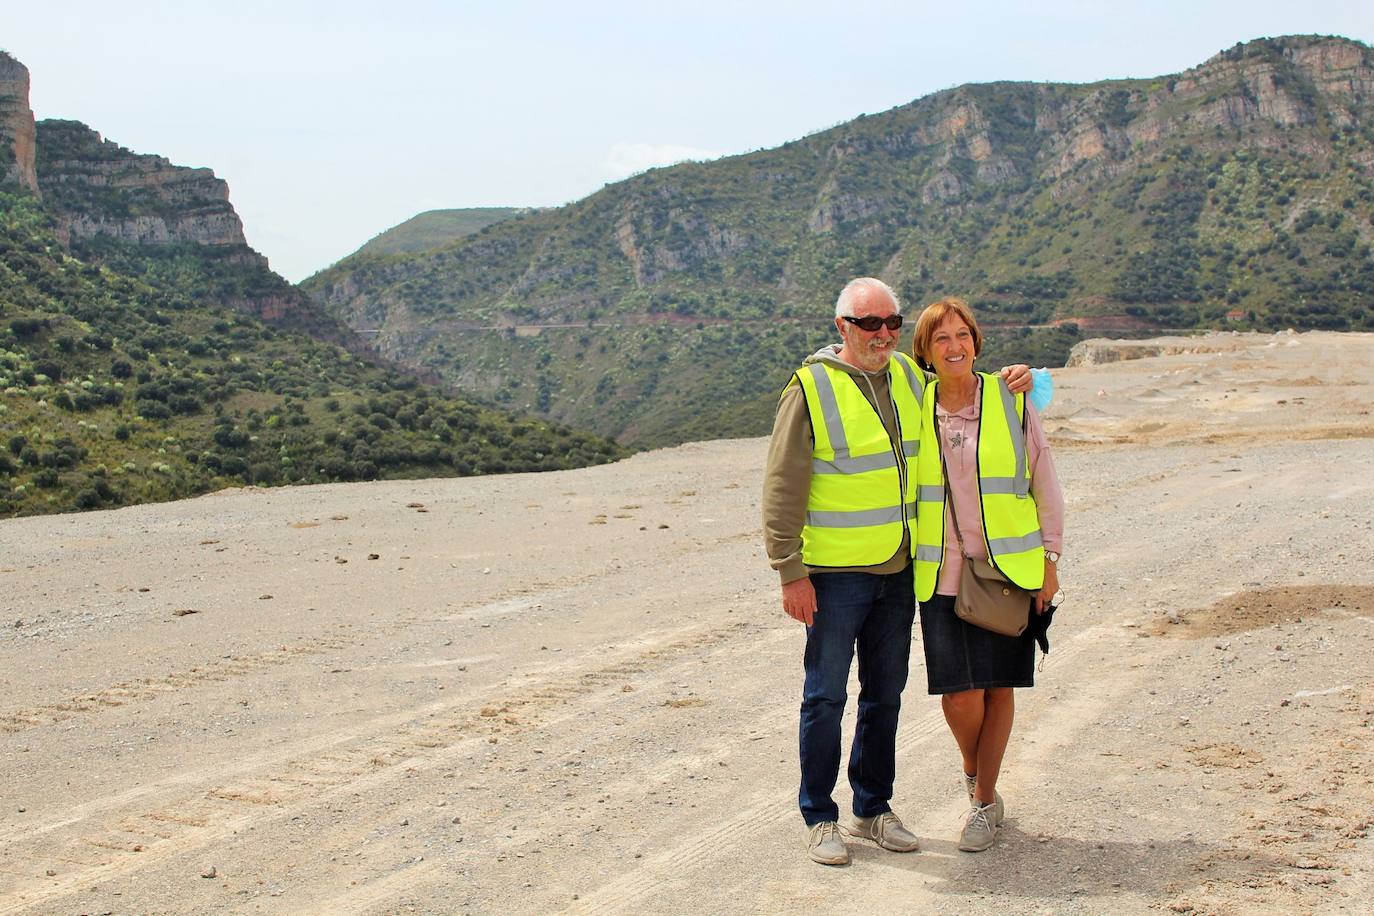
{"type": "Point", "coordinates": [825, 846]}
{"type": "Point", "coordinates": [979, 830]}
{"type": "Point", "coordinates": [885, 829]}
{"type": "Point", "coordinates": [999, 809]}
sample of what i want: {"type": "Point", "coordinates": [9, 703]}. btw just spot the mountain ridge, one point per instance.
{"type": "Point", "coordinates": [1235, 194]}
{"type": "Point", "coordinates": [433, 229]}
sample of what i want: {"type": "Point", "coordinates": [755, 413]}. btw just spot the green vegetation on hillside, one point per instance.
{"type": "Point", "coordinates": [671, 306]}
{"type": "Point", "coordinates": [127, 379]}
{"type": "Point", "coordinates": [434, 229]}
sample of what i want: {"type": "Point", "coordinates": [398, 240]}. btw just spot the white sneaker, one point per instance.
{"type": "Point", "coordinates": [825, 846]}
{"type": "Point", "coordinates": [999, 808]}
{"type": "Point", "coordinates": [884, 829]}
{"type": "Point", "coordinates": [979, 830]}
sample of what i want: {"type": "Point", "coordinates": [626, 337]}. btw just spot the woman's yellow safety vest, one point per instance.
{"type": "Point", "coordinates": [862, 496]}
{"type": "Point", "coordinates": [1011, 527]}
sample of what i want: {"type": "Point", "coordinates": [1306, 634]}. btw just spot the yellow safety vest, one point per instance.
{"type": "Point", "coordinates": [862, 497]}
{"type": "Point", "coordinates": [1011, 527]}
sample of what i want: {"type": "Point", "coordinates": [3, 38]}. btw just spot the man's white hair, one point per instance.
{"type": "Point", "coordinates": [845, 304]}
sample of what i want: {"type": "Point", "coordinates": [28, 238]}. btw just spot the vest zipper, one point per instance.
{"type": "Point", "coordinates": [898, 454]}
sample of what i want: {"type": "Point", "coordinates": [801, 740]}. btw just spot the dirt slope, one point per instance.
{"type": "Point", "coordinates": [577, 691]}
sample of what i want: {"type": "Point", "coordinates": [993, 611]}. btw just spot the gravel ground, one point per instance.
{"type": "Point", "coordinates": [577, 691]}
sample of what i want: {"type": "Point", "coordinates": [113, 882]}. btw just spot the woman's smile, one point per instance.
{"type": "Point", "coordinates": [957, 357]}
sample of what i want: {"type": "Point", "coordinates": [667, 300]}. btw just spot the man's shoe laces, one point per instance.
{"type": "Point", "coordinates": [881, 823]}
{"type": "Point", "coordinates": [828, 829]}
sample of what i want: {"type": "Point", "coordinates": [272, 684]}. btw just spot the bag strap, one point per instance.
{"type": "Point", "coordinates": [944, 472]}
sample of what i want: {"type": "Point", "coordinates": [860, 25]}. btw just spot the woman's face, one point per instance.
{"type": "Point", "coordinates": [951, 347]}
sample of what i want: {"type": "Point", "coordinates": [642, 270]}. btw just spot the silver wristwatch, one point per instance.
{"type": "Point", "coordinates": [1052, 556]}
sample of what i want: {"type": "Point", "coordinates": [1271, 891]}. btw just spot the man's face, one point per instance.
{"type": "Point", "coordinates": [869, 350]}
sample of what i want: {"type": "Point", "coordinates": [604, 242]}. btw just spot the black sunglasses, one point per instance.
{"type": "Point", "coordinates": [871, 323]}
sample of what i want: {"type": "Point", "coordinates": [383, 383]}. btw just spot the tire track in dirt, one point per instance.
{"type": "Point", "coordinates": [376, 894]}
{"type": "Point", "coordinates": [129, 840]}
{"type": "Point", "coordinates": [146, 688]}
{"type": "Point", "coordinates": [1299, 819]}
{"type": "Point", "coordinates": [766, 810]}
{"type": "Point", "coordinates": [134, 690]}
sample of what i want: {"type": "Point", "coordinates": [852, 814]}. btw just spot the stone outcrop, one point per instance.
{"type": "Point", "coordinates": [99, 188]}
{"type": "Point", "coordinates": [94, 189]}
{"type": "Point", "coordinates": [1099, 351]}
{"type": "Point", "coordinates": [697, 240]}
{"type": "Point", "coordinates": [1335, 68]}
{"type": "Point", "coordinates": [834, 207]}
{"type": "Point", "coordinates": [17, 133]}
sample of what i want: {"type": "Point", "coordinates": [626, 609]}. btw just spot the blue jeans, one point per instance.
{"type": "Point", "coordinates": [873, 613]}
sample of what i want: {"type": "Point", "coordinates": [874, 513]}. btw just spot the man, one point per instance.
{"type": "Point", "coordinates": [838, 512]}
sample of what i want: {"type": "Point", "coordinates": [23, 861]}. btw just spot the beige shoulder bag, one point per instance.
{"type": "Point", "coordinates": [986, 598]}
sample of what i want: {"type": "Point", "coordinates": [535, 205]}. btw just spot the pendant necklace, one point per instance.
{"type": "Point", "coordinates": [958, 439]}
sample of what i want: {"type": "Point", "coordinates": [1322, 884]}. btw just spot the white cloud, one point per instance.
{"type": "Point", "coordinates": [626, 159]}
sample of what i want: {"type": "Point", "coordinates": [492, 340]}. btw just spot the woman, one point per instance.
{"type": "Point", "coordinates": [989, 442]}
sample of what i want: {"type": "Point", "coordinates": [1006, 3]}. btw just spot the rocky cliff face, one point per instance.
{"type": "Point", "coordinates": [110, 203]}
{"type": "Point", "coordinates": [17, 135]}
{"type": "Point", "coordinates": [99, 188]}
{"type": "Point", "coordinates": [168, 225]}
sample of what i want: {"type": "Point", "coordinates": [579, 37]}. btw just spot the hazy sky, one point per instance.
{"type": "Point", "coordinates": [334, 121]}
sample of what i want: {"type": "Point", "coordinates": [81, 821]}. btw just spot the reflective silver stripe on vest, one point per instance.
{"type": "Point", "coordinates": [930, 493]}
{"type": "Point", "coordinates": [998, 486]}
{"type": "Point", "coordinates": [1021, 485]}
{"type": "Point", "coordinates": [858, 518]}
{"type": "Point", "coordinates": [927, 553]}
{"type": "Point", "coordinates": [1003, 546]}
{"type": "Point", "coordinates": [915, 386]}
{"type": "Point", "coordinates": [830, 411]}
{"type": "Point", "coordinates": [879, 462]}
{"type": "Point", "coordinates": [834, 428]}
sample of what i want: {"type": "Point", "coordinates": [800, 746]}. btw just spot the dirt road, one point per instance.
{"type": "Point", "coordinates": [577, 691]}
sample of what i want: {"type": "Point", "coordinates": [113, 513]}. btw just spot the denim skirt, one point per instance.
{"type": "Point", "coordinates": [960, 656]}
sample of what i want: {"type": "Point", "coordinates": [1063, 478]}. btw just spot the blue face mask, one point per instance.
{"type": "Point", "coordinates": [1043, 391]}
